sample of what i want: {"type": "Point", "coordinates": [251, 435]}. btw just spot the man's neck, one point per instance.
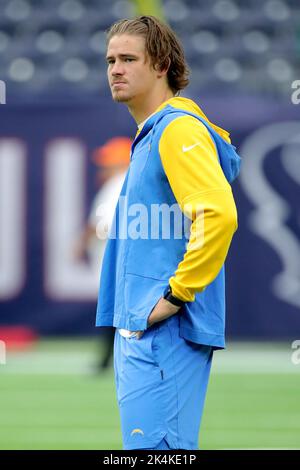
{"type": "Point", "coordinates": [141, 111]}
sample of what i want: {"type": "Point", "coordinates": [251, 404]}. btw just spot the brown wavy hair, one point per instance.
{"type": "Point", "coordinates": [162, 46]}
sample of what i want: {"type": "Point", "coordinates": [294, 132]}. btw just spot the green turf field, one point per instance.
{"type": "Point", "coordinates": [51, 399]}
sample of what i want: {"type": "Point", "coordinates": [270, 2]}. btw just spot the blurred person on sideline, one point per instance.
{"type": "Point", "coordinates": [112, 160]}
{"type": "Point", "coordinates": [165, 294]}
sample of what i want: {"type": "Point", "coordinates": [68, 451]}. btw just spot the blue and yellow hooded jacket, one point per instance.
{"type": "Point", "coordinates": [174, 222]}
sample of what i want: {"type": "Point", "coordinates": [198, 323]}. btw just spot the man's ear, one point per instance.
{"type": "Point", "coordinates": [163, 70]}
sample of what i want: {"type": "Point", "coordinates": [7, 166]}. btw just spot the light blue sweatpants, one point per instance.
{"type": "Point", "coordinates": [161, 383]}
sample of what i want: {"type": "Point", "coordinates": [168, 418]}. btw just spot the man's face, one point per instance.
{"type": "Point", "coordinates": [130, 74]}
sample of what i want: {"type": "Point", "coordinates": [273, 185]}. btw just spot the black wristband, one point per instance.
{"type": "Point", "coordinates": [172, 299]}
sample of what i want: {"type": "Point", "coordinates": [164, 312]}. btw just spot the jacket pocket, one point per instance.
{"type": "Point", "coordinates": [141, 296]}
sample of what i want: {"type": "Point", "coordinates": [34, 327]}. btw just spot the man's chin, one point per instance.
{"type": "Point", "coordinates": [119, 98]}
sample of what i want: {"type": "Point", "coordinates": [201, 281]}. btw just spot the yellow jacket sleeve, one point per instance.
{"type": "Point", "coordinates": [190, 161]}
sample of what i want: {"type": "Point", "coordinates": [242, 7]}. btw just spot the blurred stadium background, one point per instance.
{"type": "Point", "coordinates": [244, 57]}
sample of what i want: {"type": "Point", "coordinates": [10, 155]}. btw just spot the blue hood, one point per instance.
{"type": "Point", "coordinates": [228, 157]}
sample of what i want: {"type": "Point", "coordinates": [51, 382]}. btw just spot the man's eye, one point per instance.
{"type": "Point", "coordinates": [109, 62]}
{"type": "Point", "coordinates": [129, 59]}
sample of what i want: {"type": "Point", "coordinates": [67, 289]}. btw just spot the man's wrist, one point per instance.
{"type": "Point", "coordinates": [173, 299]}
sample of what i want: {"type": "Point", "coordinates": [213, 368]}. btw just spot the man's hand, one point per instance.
{"type": "Point", "coordinates": [162, 310]}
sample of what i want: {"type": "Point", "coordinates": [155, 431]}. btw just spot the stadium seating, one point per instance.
{"type": "Point", "coordinates": [49, 47]}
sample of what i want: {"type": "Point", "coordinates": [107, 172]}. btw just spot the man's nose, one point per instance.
{"type": "Point", "coordinates": [117, 68]}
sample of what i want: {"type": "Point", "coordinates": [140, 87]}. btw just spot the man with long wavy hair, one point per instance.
{"type": "Point", "coordinates": [162, 285]}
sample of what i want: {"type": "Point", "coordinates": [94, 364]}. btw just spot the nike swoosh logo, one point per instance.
{"type": "Point", "coordinates": [186, 149]}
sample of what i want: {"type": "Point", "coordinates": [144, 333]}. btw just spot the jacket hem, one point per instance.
{"type": "Point", "coordinates": [199, 337]}
{"type": "Point", "coordinates": [131, 323]}
{"type": "Point", "coordinates": [104, 320]}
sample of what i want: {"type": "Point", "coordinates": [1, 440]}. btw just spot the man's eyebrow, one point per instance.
{"type": "Point", "coordinates": [129, 54]}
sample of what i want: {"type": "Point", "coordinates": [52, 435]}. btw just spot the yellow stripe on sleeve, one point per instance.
{"type": "Point", "coordinates": [190, 161]}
